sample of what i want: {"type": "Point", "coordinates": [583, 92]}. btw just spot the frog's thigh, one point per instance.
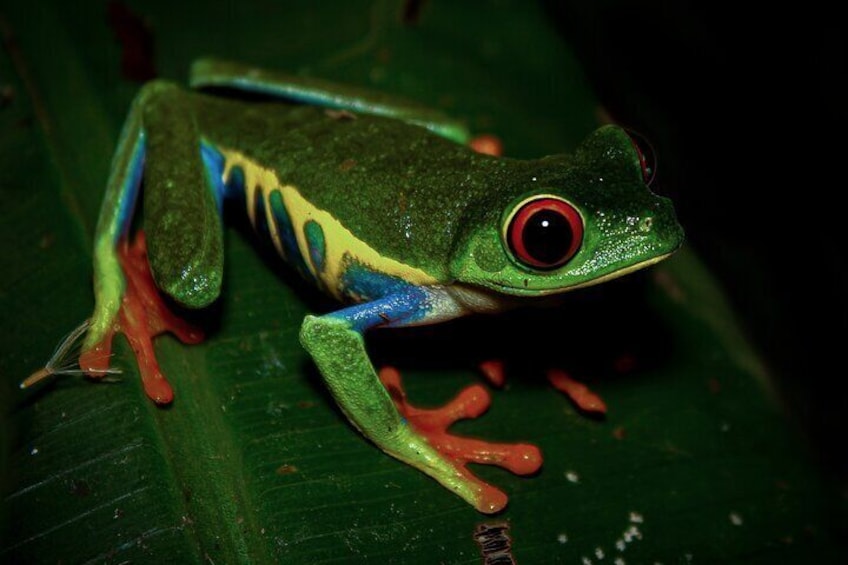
{"type": "Point", "coordinates": [206, 73]}
{"type": "Point", "coordinates": [181, 216]}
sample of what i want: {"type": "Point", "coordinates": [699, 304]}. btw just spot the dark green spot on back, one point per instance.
{"type": "Point", "coordinates": [317, 246]}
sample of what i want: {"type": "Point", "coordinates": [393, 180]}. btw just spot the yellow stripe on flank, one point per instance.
{"type": "Point", "coordinates": [255, 178]}
{"type": "Point", "coordinates": [341, 245]}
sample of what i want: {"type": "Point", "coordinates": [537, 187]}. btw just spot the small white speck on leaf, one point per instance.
{"type": "Point", "coordinates": [735, 519]}
{"type": "Point", "coordinates": [632, 533]}
{"type": "Point", "coordinates": [599, 552]}
{"type": "Point", "coordinates": [562, 538]}
{"type": "Point", "coordinates": [572, 477]}
{"type": "Point", "coordinates": [636, 518]}
{"type": "Point", "coordinates": [34, 451]}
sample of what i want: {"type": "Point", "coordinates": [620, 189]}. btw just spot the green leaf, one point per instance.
{"type": "Point", "coordinates": [253, 462]}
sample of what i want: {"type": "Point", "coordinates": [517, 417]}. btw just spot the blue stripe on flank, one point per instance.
{"type": "Point", "coordinates": [398, 309]}
{"type": "Point", "coordinates": [317, 245]}
{"type": "Point", "coordinates": [287, 237]}
{"type": "Point", "coordinates": [365, 284]}
{"type": "Point", "coordinates": [260, 217]}
{"type": "Point", "coordinates": [235, 189]}
{"type": "Point", "coordinates": [213, 161]}
{"type": "Point", "coordinates": [129, 190]}
{"type": "Point", "coordinates": [397, 302]}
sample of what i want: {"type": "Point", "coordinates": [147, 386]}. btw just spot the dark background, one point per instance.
{"type": "Point", "coordinates": [748, 115]}
{"type": "Point", "coordinates": [743, 110]}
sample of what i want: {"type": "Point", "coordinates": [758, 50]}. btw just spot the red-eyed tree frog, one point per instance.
{"type": "Point", "coordinates": [379, 203]}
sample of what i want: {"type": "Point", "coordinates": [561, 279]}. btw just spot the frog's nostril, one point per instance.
{"type": "Point", "coordinates": [646, 224]}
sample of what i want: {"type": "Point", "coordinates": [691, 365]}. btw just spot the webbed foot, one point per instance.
{"type": "Point", "coordinates": [432, 425]}
{"type": "Point", "coordinates": [143, 315]}
{"type": "Point", "coordinates": [579, 393]}
{"type": "Point", "coordinates": [585, 400]}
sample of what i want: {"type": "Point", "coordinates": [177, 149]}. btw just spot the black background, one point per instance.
{"type": "Point", "coordinates": [747, 111]}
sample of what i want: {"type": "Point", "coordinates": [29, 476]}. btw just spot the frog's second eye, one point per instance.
{"type": "Point", "coordinates": [544, 232]}
{"type": "Point", "coordinates": [647, 157]}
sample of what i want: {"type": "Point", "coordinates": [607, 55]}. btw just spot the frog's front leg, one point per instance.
{"type": "Point", "coordinates": [182, 253]}
{"type": "Point", "coordinates": [336, 343]}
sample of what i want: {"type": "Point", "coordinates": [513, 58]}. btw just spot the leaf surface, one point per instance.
{"type": "Point", "coordinates": [253, 462]}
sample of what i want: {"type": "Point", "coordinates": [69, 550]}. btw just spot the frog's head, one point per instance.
{"type": "Point", "coordinates": [569, 222]}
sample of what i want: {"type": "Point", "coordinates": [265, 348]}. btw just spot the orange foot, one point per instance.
{"type": "Point", "coordinates": [579, 393]}
{"type": "Point", "coordinates": [487, 144]}
{"type": "Point", "coordinates": [585, 399]}
{"type": "Point", "coordinates": [143, 316]}
{"type": "Point", "coordinates": [432, 424]}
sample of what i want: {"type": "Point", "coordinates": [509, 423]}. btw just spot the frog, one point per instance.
{"type": "Point", "coordinates": [380, 203]}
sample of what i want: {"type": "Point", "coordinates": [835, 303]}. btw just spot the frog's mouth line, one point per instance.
{"type": "Point", "coordinates": [522, 291]}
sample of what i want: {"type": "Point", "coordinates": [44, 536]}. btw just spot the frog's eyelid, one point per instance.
{"type": "Point", "coordinates": [647, 155]}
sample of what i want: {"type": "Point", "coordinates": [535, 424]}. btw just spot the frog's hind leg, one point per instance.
{"type": "Point", "coordinates": [213, 73]}
{"type": "Point", "coordinates": [415, 436]}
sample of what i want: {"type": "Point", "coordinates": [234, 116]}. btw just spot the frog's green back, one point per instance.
{"type": "Point", "coordinates": [400, 189]}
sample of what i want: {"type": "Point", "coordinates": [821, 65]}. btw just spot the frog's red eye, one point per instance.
{"type": "Point", "coordinates": [647, 157]}
{"type": "Point", "coordinates": [544, 232]}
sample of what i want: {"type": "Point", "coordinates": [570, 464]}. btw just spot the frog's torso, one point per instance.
{"type": "Point", "coordinates": [342, 195]}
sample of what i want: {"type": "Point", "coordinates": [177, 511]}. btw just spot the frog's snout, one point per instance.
{"type": "Point", "coordinates": [663, 227]}
{"type": "Point", "coordinates": [655, 225]}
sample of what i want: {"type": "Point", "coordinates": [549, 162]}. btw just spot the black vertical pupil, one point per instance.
{"type": "Point", "coordinates": [547, 236]}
